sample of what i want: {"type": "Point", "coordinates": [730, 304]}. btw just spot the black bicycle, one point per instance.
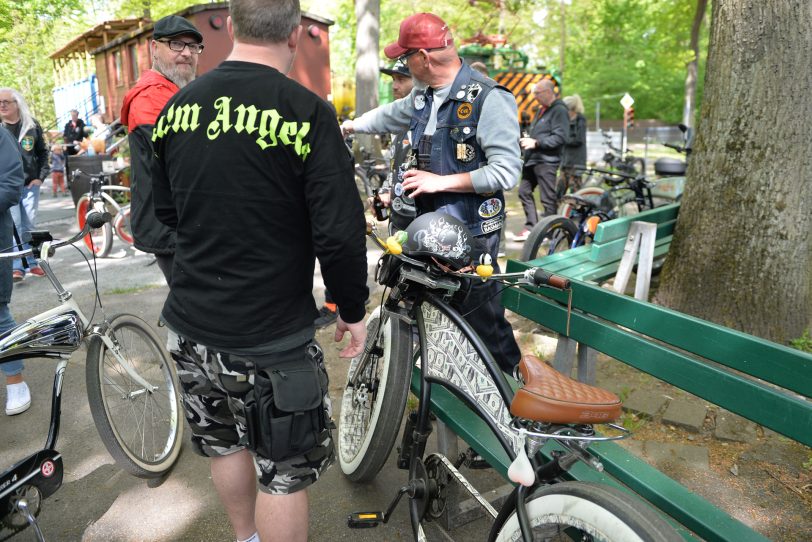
{"type": "Point", "coordinates": [425, 269]}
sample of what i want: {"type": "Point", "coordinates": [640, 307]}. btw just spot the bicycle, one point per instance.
{"type": "Point", "coordinates": [617, 159]}
{"type": "Point", "coordinates": [131, 388]}
{"type": "Point", "coordinates": [100, 198]}
{"type": "Point", "coordinates": [370, 173]}
{"type": "Point", "coordinates": [424, 268]}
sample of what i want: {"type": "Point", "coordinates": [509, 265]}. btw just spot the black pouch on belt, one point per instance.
{"type": "Point", "coordinates": [284, 412]}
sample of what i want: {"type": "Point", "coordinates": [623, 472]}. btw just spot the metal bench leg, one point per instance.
{"type": "Point", "coordinates": [587, 361]}
{"type": "Point", "coordinates": [564, 355]}
{"type": "Point", "coordinates": [642, 237]}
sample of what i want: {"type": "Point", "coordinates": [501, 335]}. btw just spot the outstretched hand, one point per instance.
{"type": "Point", "coordinates": [358, 336]}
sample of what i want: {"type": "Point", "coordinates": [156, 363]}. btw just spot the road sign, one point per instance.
{"type": "Point", "coordinates": [626, 101]}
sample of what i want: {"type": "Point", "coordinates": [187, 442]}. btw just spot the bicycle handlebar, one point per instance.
{"type": "Point", "coordinates": [94, 220]}
{"type": "Point", "coordinates": [540, 277]}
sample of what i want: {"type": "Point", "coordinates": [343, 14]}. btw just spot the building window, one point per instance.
{"type": "Point", "coordinates": [134, 62]}
{"type": "Point", "coordinates": [117, 64]}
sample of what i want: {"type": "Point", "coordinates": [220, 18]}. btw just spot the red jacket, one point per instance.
{"type": "Point", "coordinates": [144, 101]}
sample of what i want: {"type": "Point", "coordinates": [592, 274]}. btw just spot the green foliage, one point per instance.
{"type": "Point", "coordinates": [808, 463]}
{"type": "Point", "coordinates": [610, 46]}
{"type": "Point", "coordinates": [803, 343]}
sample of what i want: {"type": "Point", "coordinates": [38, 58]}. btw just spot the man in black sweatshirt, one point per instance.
{"type": "Point", "coordinates": [252, 173]}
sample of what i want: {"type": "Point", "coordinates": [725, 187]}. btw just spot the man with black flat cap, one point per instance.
{"type": "Point", "coordinates": [175, 46]}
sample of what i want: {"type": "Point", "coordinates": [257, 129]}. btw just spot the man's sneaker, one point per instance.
{"type": "Point", "coordinates": [326, 317]}
{"type": "Point", "coordinates": [18, 398]}
{"type": "Point", "coordinates": [37, 271]}
{"type": "Point", "coordinates": [522, 235]}
{"type": "Point", "coordinates": [17, 275]}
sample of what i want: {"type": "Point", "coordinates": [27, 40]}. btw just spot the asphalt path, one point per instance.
{"type": "Point", "coordinates": [100, 502]}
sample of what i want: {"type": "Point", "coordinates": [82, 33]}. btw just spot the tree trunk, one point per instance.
{"type": "Point", "coordinates": [741, 251]}
{"type": "Point", "coordinates": [693, 66]}
{"type": "Point", "coordinates": [367, 38]}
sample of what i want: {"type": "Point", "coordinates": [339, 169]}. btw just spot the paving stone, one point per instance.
{"type": "Point", "coordinates": [672, 455]}
{"type": "Point", "coordinates": [734, 428]}
{"type": "Point", "coordinates": [645, 402]}
{"type": "Point", "coordinates": [690, 416]}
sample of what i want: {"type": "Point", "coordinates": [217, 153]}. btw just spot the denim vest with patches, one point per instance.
{"type": "Point", "coordinates": [454, 149]}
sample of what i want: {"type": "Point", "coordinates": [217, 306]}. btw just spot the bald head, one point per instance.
{"type": "Point", "coordinates": [544, 92]}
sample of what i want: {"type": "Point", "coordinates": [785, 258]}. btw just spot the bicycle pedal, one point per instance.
{"type": "Point", "coordinates": [364, 520]}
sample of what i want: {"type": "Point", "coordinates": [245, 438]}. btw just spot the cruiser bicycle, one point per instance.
{"type": "Point", "coordinates": [425, 269]}
{"type": "Point", "coordinates": [103, 197]}
{"type": "Point", "coordinates": [131, 388]}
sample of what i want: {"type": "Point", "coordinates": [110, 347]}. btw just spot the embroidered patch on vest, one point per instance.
{"type": "Point", "coordinates": [464, 111]}
{"type": "Point", "coordinates": [474, 89]}
{"type": "Point", "coordinates": [493, 224]}
{"type": "Point", "coordinates": [465, 152]}
{"type": "Point", "coordinates": [490, 208]}
{"type": "Point", "coordinates": [419, 102]}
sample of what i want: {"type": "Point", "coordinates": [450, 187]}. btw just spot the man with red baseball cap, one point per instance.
{"type": "Point", "coordinates": [464, 132]}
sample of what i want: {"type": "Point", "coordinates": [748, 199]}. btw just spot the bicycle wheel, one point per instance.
{"type": "Point", "coordinates": [99, 240]}
{"type": "Point", "coordinates": [363, 184]}
{"type": "Point", "coordinates": [141, 428]}
{"type": "Point", "coordinates": [552, 234]}
{"type": "Point", "coordinates": [587, 511]}
{"type": "Point", "coordinates": [371, 411]}
{"type": "Point", "coordinates": [122, 225]}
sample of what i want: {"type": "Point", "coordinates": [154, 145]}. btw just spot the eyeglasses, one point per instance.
{"type": "Point", "coordinates": [5, 103]}
{"type": "Point", "coordinates": [405, 56]}
{"type": "Point", "coordinates": [178, 46]}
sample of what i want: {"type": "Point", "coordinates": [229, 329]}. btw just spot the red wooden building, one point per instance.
{"type": "Point", "coordinates": [120, 58]}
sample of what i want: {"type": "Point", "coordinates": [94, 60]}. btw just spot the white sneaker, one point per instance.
{"type": "Point", "coordinates": [18, 398]}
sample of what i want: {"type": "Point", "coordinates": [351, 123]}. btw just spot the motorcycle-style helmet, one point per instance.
{"type": "Point", "coordinates": [441, 236]}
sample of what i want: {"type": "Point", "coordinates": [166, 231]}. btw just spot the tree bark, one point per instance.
{"type": "Point", "coordinates": [741, 250]}
{"type": "Point", "coordinates": [367, 43]}
{"type": "Point", "coordinates": [693, 66]}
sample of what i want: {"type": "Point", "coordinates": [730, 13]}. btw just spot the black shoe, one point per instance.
{"type": "Point", "coordinates": [326, 317]}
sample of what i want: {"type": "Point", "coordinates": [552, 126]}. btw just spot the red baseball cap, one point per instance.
{"type": "Point", "coordinates": [420, 31]}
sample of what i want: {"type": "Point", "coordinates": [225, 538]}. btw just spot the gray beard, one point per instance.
{"type": "Point", "coordinates": [173, 73]}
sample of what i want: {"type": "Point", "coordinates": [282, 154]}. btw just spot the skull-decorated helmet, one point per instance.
{"type": "Point", "coordinates": [441, 236]}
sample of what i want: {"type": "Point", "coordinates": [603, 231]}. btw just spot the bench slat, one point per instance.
{"type": "Point", "coordinates": [769, 361]}
{"type": "Point", "coordinates": [619, 227]}
{"type": "Point", "coordinates": [787, 414]}
{"type": "Point", "coordinates": [613, 250]}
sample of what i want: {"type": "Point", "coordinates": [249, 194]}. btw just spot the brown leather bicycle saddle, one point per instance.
{"type": "Point", "coordinates": [549, 396]}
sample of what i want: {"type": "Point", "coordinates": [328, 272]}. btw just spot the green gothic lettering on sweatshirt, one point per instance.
{"type": "Point", "coordinates": [269, 126]}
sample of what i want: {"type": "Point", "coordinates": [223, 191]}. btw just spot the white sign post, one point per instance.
{"type": "Point", "coordinates": [626, 101]}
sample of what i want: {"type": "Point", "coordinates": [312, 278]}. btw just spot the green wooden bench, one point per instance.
{"type": "Point", "coordinates": [764, 382]}
{"type": "Point", "coordinates": [599, 260]}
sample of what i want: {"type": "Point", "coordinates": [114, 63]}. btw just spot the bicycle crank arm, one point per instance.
{"type": "Point", "coordinates": [366, 520]}
{"type": "Point", "coordinates": [471, 490]}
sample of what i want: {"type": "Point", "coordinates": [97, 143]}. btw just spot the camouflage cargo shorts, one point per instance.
{"type": "Point", "coordinates": [216, 417]}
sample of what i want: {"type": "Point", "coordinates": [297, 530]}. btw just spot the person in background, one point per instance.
{"type": "Point", "coordinates": [175, 46]}
{"type": "Point", "coordinates": [573, 159]}
{"type": "Point", "coordinates": [543, 148]}
{"type": "Point", "coordinates": [33, 150]}
{"type": "Point", "coordinates": [73, 133]}
{"type": "Point", "coordinates": [18, 396]}
{"type": "Point", "coordinates": [58, 170]}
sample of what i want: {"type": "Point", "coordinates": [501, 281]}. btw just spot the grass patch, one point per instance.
{"type": "Point", "coordinates": [131, 290]}
{"type": "Point", "coordinates": [802, 343]}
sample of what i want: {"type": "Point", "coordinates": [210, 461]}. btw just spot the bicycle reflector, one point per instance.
{"type": "Point", "coordinates": [592, 223]}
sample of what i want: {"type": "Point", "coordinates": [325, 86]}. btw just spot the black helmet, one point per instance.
{"type": "Point", "coordinates": [441, 236]}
